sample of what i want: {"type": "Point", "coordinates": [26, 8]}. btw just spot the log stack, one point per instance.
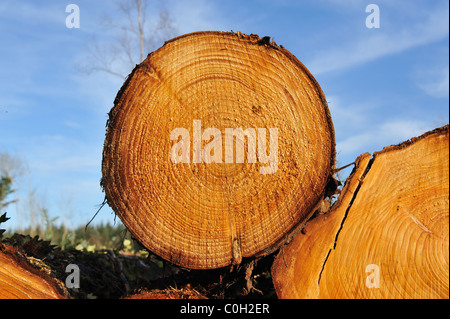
{"type": "Point", "coordinates": [220, 147]}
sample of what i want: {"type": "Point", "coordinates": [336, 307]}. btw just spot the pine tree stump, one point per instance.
{"type": "Point", "coordinates": [218, 146]}
{"type": "Point", "coordinates": [387, 237]}
{"type": "Point", "coordinates": [20, 280]}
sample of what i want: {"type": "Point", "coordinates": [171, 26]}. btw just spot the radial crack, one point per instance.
{"type": "Point", "coordinates": [355, 194]}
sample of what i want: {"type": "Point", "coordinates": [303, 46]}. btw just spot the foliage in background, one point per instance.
{"type": "Point", "coordinates": [3, 219]}
{"type": "Point", "coordinates": [43, 226]}
{"type": "Point", "coordinates": [89, 239]}
{"type": "Point", "coordinates": [143, 27]}
{"type": "Point", "coordinates": [5, 190]}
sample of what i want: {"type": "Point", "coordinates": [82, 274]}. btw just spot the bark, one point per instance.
{"type": "Point", "coordinates": [195, 201]}
{"type": "Point", "coordinates": [388, 235]}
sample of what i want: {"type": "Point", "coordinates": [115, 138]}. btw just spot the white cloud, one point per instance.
{"type": "Point", "coordinates": [434, 81]}
{"type": "Point", "coordinates": [384, 134]}
{"type": "Point", "coordinates": [348, 116]}
{"type": "Point", "coordinates": [63, 154]}
{"type": "Point", "coordinates": [196, 15]}
{"type": "Point", "coordinates": [72, 124]}
{"type": "Point", "coordinates": [397, 131]}
{"type": "Point", "coordinates": [354, 144]}
{"type": "Point", "coordinates": [392, 39]}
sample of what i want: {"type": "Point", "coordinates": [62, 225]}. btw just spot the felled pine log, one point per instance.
{"type": "Point", "coordinates": [219, 146]}
{"type": "Point", "coordinates": [387, 237]}
{"type": "Point", "coordinates": [20, 279]}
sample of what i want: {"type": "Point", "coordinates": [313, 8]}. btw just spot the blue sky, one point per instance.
{"type": "Point", "coordinates": [384, 85]}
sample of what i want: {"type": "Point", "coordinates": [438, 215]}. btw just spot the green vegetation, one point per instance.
{"type": "Point", "coordinates": [90, 239]}
{"type": "Point", "coordinates": [48, 228]}
{"type": "Point", "coordinates": [5, 190]}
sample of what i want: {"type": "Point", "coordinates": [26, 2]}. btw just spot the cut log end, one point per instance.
{"type": "Point", "coordinates": [388, 236]}
{"type": "Point", "coordinates": [20, 280]}
{"type": "Point", "coordinates": [217, 147]}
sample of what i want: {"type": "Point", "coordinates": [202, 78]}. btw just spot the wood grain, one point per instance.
{"type": "Point", "coordinates": [388, 238]}
{"type": "Point", "coordinates": [209, 215]}
{"type": "Point", "coordinates": [20, 280]}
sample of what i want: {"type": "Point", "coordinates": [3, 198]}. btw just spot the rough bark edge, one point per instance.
{"type": "Point", "coordinates": [437, 131]}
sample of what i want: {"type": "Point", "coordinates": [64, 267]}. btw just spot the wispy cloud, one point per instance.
{"type": "Point", "coordinates": [63, 154]}
{"type": "Point", "coordinates": [434, 81]}
{"type": "Point", "coordinates": [363, 126]}
{"type": "Point", "coordinates": [353, 116]}
{"type": "Point", "coordinates": [196, 15]}
{"type": "Point", "coordinates": [431, 26]}
{"type": "Point", "coordinates": [390, 132]}
{"type": "Point", "coordinates": [72, 124]}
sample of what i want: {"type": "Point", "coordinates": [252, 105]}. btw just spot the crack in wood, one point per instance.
{"type": "Point", "coordinates": [355, 194]}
